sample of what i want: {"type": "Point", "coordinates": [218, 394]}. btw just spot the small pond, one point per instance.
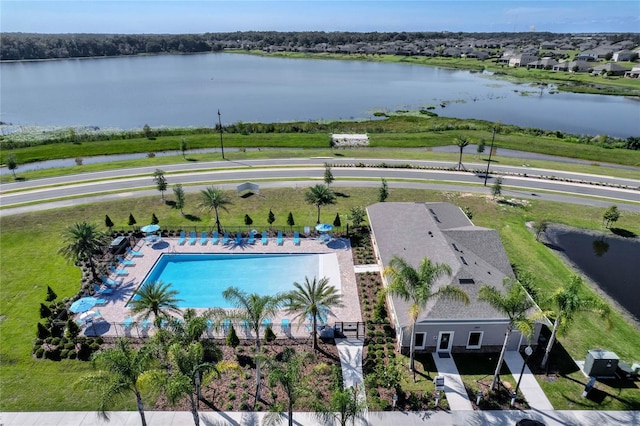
{"type": "Point", "coordinates": [611, 261]}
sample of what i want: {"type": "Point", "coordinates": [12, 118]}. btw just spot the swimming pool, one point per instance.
{"type": "Point", "coordinates": [200, 279]}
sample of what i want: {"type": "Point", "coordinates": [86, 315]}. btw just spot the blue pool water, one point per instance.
{"type": "Point", "coordinates": [200, 279]}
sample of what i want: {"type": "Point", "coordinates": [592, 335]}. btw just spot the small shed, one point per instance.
{"type": "Point", "coordinates": [601, 363]}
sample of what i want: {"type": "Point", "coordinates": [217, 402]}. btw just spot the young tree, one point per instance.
{"type": "Point", "coordinates": [271, 218]}
{"type": "Point", "coordinates": [496, 189]}
{"type": "Point", "coordinates": [253, 308]}
{"type": "Point", "coordinates": [82, 242]}
{"type": "Point", "coordinates": [160, 181]}
{"type": "Point", "coordinates": [178, 192]}
{"type": "Point", "coordinates": [232, 338]}
{"type": "Point", "coordinates": [357, 215]}
{"type": "Point", "coordinates": [214, 199]}
{"type": "Point", "coordinates": [312, 298]}
{"type": "Point", "coordinates": [290, 220]}
{"type": "Point", "coordinates": [345, 405]}
{"type": "Point", "coordinates": [154, 219]}
{"type": "Point", "coordinates": [247, 220]}
{"type": "Point", "coordinates": [120, 372]}
{"type": "Point", "coordinates": [383, 191]}
{"type": "Point", "coordinates": [461, 142]}
{"type": "Point", "coordinates": [132, 220]}
{"type": "Point", "coordinates": [515, 303]}
{"type": "Point", "coordinates": [320, 195]}
{"type": "Point", "coordinates": [611, 215]}
{"type": "Point", "coordinates": [108, 222]}
{"type": "Point", "coordinates": [155, 298]}
{"type": "Point", "coordinates": [481, 146]}
{"type": "Point", "coordinates": [183, 147]}
{"type": "Point", "coordinates": [566, 302]}
{"type": "Point", "coordinates": [540, 228]}
{"type": "Point", "coordinates": [328, 175]}
{"type": "Point", "coordinates": [12, 164]}
{"type": "Point", "coordinates": [416, 287]}
{"type": "Point", "coordinates": [146, 129]}
{"type": "Point", "coordinates": [336, 222]}
{"type": "Point", "coordinates": [51, 295]}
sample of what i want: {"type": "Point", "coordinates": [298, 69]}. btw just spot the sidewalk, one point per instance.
{"type": "Point", "coordinates": [453, 386]}
{"type": "Point", "coordinates": [350, 352]}
{"type": "Point", "coordinates": [529, 385]}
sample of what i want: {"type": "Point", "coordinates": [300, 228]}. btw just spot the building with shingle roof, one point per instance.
{"type": "Point", "coordinates": [476, 256]}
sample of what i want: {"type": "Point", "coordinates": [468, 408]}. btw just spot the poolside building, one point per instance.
{"type": "Point", "coordinates": [444, 234]}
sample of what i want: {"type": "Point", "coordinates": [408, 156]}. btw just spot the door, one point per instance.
{"type": "Point", "coordinates": [445, 339]}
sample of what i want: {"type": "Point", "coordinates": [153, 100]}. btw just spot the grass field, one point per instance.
{"type": "Point", "coordinates": [29, 262]}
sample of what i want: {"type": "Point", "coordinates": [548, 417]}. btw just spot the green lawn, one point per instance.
{"type": "Point", "coordinates": [29, 262]}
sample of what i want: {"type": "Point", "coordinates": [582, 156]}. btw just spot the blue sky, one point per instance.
{"type": "Point", "coordinates": [158, 16]}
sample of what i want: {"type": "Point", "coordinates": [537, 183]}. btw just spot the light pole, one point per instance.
{"type": "Point", "coordinates": [527, 351]}
{"type": "Point", "coordinates": [222, 146]}
{"type": "Point", "coordinates": [493, 138]}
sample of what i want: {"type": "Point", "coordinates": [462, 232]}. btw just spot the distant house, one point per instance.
{"type": "Point", "coordinates": [444, 234]}
{"type": "Point", "coordinates": [522, 59]}
{"type": "Point", "coordinates": [634, 73]}
{"type": "Point", "coordinates": [544, 64]}
{"type": "Point", "coordinates": [622, 55]}
{"type": "Point", "coordinates": [573, 66]}
{"type": "Point", "coordinates": [587, 55]}
{"type": "Point", "coordinates": [610, 68]}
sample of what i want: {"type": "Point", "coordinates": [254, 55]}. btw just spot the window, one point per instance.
{"type": "Point", "coordinates": [475, 340]}
{"type": "Point", "coordinates": [421, 338]}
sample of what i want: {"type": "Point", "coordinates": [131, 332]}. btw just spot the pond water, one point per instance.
{"type": "Point", "coordinates": [612, 262]}
{"type": "Point", "coordinates": [188, 90]}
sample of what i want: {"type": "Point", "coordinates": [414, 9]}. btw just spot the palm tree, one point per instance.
{"type": "Point", "coordinates": [461, 142]}
{"type": "Point", "coordinates": [120, 371]}
{"type": "Point", "coordinates": [188, 373]}
{"type": "Point", "coordinates": [515, 303]}
{"type": "Point", "coordinates": [344, 405]}
{"type": "Point", "coordinates": [253, 308]}
{"type": "Point", "coordinates": [214, 198]}
{"type": "Point", "coordinates": [568, 301]}
{"type": "Point", "coordinates": [310, 298]}
{"type": "Point", "coordinates": [416, 287]}
{"type": "Point", "coordinates": [320, 195]}
{"type": "Point", "coordinates": [157, 298]}
{"type": "Point", "coordinates": [82, 241]}
{"type": "Point", "coordinates": [289, 375]}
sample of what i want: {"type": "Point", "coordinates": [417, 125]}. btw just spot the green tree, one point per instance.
{"type": "Point", "coordinates": [312, 298]}
{"type": "Point", "coordinates": [328, 175]}
{"type": "Point", "coordinates": [290, 220]}
{"type": "Point", "coordinates": [178, 192]}
{"type": "Point", "coordinates": [271, 218]}
{"type": "Point", "coordinates": [461, 142]}
{"type": "Point", "coordinates": [496, 189]}
{"type": "Point", "coordinates": [231, 338]}
{"type": "Point", "coordinates": [357, 215]}
{"type": "Point", "coordinates": [337, 222]}
{"type": "Point", "coordinates": [12, 164]}
{"type": "Point", "coordinates": [565, 303]}
{"type": "Point", "coordinates": [247, 220]}
{"type": "Point", "coordinates": [481, 146]}
{"type": "Point", "coordinates": [383, 191]}
{"type": "Point", "coordinates": [611, 215]}
{"type": "Point", "coordinates": [289, 374]}
{"type": "Point", "coordinates": [183, 147]}
{"type": "Point", "coordinates": [345, 405]}
{"type": "Point", "coordinates": [132, 220]}
{"type": "Point", "coordinates": [120, 371]}
{"type": "Point", "coordinates": [82, 241]}
{"type": "Point", "coordinates": [253, 308]}
{"type": "Point", "coordinates": [146, 129]}
{"type": "Point", "coordinates": [319, 196]}
{"type": "Point", "coordinates": [416, 287]}
{"type": "Point", "coordinates": [160, 181]}
{"type": "Point", "coordinates": [154, 219]}
{"type": "Point", "coordinates": [51, 295]}
{"type": "Point", "coordinates": [214, 199]}
{"type": "Point", "coordinates": [516, 304]}
{"type": "Point", "coordinates": [108, 222]}
{"type": "Point", "coordinates": [157, 298]}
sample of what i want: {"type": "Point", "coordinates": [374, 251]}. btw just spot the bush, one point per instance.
{"type": "Point", "coordinates": [232, 339]}
{"type": "Point", "coordinates": [73, 329]}
{"type": "Point", "coordinates": [64, 353]}
{"type": "Point", "coordinates": [56, 341]}
{"type": "Point", "coordinates": [43, 332]}
{"type": "Point", "coordinates": [231, 395]}
{"type": "Point", "coordinates": [39, 352]}
{"type": "Point", "coordinates": [45, 312]}
{"type": "Point", "coordinates": [73, 355]}
{"type": "Point", "coordinates": [269, 335]}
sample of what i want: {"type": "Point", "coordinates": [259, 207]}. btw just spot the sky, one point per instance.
{"type": "Point", "coordinates": [195, 17]}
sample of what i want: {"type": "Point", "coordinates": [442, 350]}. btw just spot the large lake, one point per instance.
{"type": "Point", "coordinates": [129, 92]}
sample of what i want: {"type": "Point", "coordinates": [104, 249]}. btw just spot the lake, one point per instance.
{"type": "Point", "coordinates": [610, 261]}
{"type": "Point", "coordinates": [188, 90]}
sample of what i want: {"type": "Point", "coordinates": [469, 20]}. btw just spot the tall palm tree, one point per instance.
{"type": "Point", "coordinates": [344, 405]}
{"type": "Point", "coordinates": [416, 287]}
{"type": "Point", "coordinates": [120, 372]}
{"type": "Point", "coordinates": [289, 375]}
{"type": "Point", "coordinates": [462, 142]}
{"type": "Point", "coordinates": [310, 298]}
{"type": "Point", "coordinates": [515, 303]}
{"type": "Point", "coordinates": [566, 303]}
{"type": "Point", "coordinates": [213, 198]}
{"type": "Point", "coordinates": [83, 241]}
{"type": "Point", "coordinates": [157, 298]}
{"type": "Point", "coordinates": [188, 373]}
{"type": "Point", "coordinates": [320, 195]}
{"type": "Point", "coordinates": [253, 308]}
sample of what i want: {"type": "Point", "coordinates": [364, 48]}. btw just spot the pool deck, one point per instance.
{"type": "Point", "coordinates": [114, 312]}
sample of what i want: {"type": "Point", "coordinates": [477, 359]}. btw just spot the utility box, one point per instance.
{"type": "Point", "coordinates": [119, 245]}
{"type": "Point", "coordinates": [601, 363]}
{"type": "Point", "coordinates": [439, 382]}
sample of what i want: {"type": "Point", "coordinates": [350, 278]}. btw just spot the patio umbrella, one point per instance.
{"type": "Point", "coordinates": [83, 305]}
{"type": "Point", "coordinates": [147, 229]}
{"type": "Point", "coordinates": [324, 227]}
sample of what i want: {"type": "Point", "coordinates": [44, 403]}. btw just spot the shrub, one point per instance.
{"type": "Point", "coordinates": [56, 341]}
{"type": "Point", "coordinates": [232, 339]}
{"type": "Point", "coordinates": [73, 355]}
{"type": "Point", "coordinates": [43, 332]}
{"type": "Point", "coordinates": [229, 406]}
{"type": "Point", "coordinates": [269, 335]}
{"type": "Point", "coordinates": [45, 312]}
{"type": "Point", "coordinates": [73, 329]}
{"type": "Point", "coordinates": [85, 352]}
{"type": "Point", "coordinates": [231, 395]}
{"type": "Point", "coordinates": [51, 295]}
{"type": "Point", "coordinates": [64, 353]}
{"type": "Point", "coordinates": [39, 352]}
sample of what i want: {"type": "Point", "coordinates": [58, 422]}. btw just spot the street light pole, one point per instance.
{"type": "Point", "coordinates": [493, 138]}
{"type": "Point", "coordinates": [220, 126]}
{"type": "Point", "coordinates": [527, 351]}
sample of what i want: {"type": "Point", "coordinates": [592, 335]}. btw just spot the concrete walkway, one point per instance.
{"type": "Point", "coordinates": [453, 386]}
{"type": "Point", "coordinates": [529, 385]}
{"type": "Point", "coordinates": [350, 352]}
